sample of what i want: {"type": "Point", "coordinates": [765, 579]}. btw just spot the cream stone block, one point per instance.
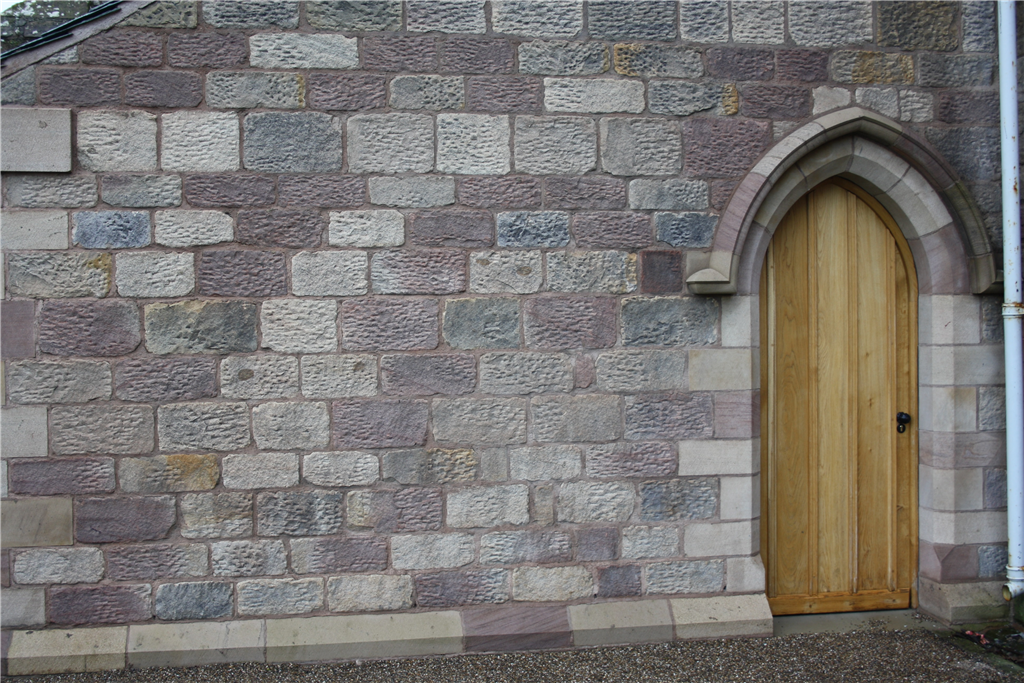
{"type": "Point", "coordinates": [725, 538]}
{"type": "Point", "coordinates": [23, 432]}
{"type": "Point", "coordinates": [959, 528]}
{"type": "Point", "coordinates": [66, 651]}
{"type": "Point", "coordinates": [740, 497]}
{"type": "Point", "coordinates": [966, 319]}
{"type": "Point", "coordinates": [722, 616]}
{"type": "Point", "coordinates": [937, 406]}
{"type": "Point", "coordinates": [196, 644]}
{"type": "Point", "coordinates": [718, 456]}
{"type": "Point", "coordinates": [935, 365]}
{"type": "Point", "coordinates": [980, 364]}
{"type": "Point", "coordinates": [365, 636]}
{"type": "Point", "coordinates": [951, 490]}
{"type": "Point", "coordinates": [721, 369]}
{"type": "Point", "coordinates": [744, 574]}
{"type": "Point", "coordinates": [959, 603]}
{"type": "Point", "coordinates": [737, 320]}
{"type": "Point", "coordinates": [34, 230]}
{"type": "Point", "coordinates": [36, 140]}
{"type": "Point", "coordinates": [965, 409]}
{"type": "Point", "coordinates": [938, 322]}
{"type": "Point", "coordinates": [621, 623]}
{"type": "Point", "coordinates": [35, 522]}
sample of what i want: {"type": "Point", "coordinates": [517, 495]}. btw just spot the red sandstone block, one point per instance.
{"type": "Point", "coordinates": [219, 190]}
{"type": "Point", "coordinates": [242, 273]}
{"type": "Point", "coordinates": [474, 587]}
{"type": "Point", "coordinates": [510, 628]}
{"type": "Point", "coordinates": [295, 228]}
{"type": "Point", "coordinates": [452, 229]}
{"type": "Point", "coordinates": [156, 561]}
{"type": "Point", "coordinates": [75, 605]}
{"type": "Point", "coordinates": [163, 89]}
{"type": "Point", "coordinates": [967, 106]}
{"type": "Point", "coordinates": [215, 50]}
{"type": "Point", "coordinates": [477, 56]}
{"type": "Point", "coordinates": [89, 328]}
{"type": "Point", "coordinates": [612, 230]}
{"type": "Point", "coordinates": [323, 191]}
{"type": "Point", "coordinates": [661, 271]}
{"type": "Point", "coordinates": [418, 271]}
{"type": "Point", "coordinates": [80, 87]}
{"type": "Point", "coordinates": [510, 192]}
{"type": "Point", "coordinates": [504, 94]}
{"type": "Point", "coordinates": [124, 48]}
{"type": "Point", "coordinates": [741, 64]}
{"type": "Point", "coordinates": [721, 192]}
{"type": "Point", "coordinates": [18, 328]}
{"type": "Point", "coordinates": [723, 148]}
{"type": "Point", "coordinates": [116, 520]}
{"type": "Point", "coordinates": [775, 101]}
{"type": "Point", "coordinates": [349, 92]}
{"type": "Point", "coordinates": [379, 423]}
{"type": "Point", "coordinates": [399, 53]}
{"type": "Point", "coordinates": [389, 324]}
{"type": "Point", "coordinates": [65, 476]}
{"type": "Point", "coordinates": [806, 66]}
{"type": "Point", "coordinates": [570, 322]}
{"type": "Point", "coordinates": [585, 193]}
{"type": "Point", "coordinates": [335, 555]}
{"type": "Point", "coordinates": [165, 379]}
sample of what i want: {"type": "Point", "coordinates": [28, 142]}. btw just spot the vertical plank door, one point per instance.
{"type": "Point", "coordinates": [839, 302]}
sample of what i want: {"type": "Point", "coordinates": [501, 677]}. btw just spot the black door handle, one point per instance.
{"type": "Point", "coordinates": [902, 420]}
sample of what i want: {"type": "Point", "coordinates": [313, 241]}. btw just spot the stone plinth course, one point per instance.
{"type": "Point", "coordinates": [360, 329]}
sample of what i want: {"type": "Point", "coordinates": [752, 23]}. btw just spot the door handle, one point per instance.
{"type": "Point", "coordinates": [902, 420]}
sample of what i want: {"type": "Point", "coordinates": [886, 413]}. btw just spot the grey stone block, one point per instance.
{"type": "Point", "coordinates": [704, 21]}
{"type": "Point", "coordinates": [427, 92]}
{"type": "Point", "coordinates": [42, 192]}
{"type": "Point", "coordinates": [488, 506]}
{"type": "Point", "coordinates": [684, 98]}
{"type": "Point", "coordinates": [265, 376]}
{"type": "Point", "coordinates": [280, 596]}
{"type": "Point", "coordinates": [300, 513]}
{"type": "Point", "coordinates": [830, 24]}
{"type": "Point", "coordinates": [43, 381]}
{"type": "Point", "coordinates": [110, 229]}
{"type": "Point", "coordinates": [48, 275]}
{"type": "Point", "coordinates": [759, 22]}
{"type": "Point", "coordinates": [669, 321]}
{"type": "Point", "coordinates": [354, 554]}
{"type": "Point", "coordinates": [58, 565]}
{"type": "Point", "coordinates": [24, 606]}
{"type": "Point", "coordinates": [34, 230]}
{"type": "Point", "coordinates": [491, 323]}
{"type": "Point", "coordinates": [473, 144]}
{"type": "Point", "coordinates": [633, 371]}
{"type": "Point", "coordinates": [299, 325]}
{"type": "Point", "coordinates": [24, 433]}
{"type": "Point", "coordinates": [678, 499]}
{"type": "Point", "coordinates": [36, 140]}
{"type": "Point", "coordinates": [471, 587]}
{"type": "Point", "coordinates": [555, 144]}
{"type": "Point", "coordinates": [640, 147]}
{"type": "Point", "coordinates": [168, 473]}
{"type": "Point", "coordinates": [670, 194]}
{"type": "Point", "coordinates": [688, 229]}
{"type": "Point", "coordinates": [520, 547]}
{"type": "Point", "coordinates": [101, 428]}
{"type": "Point", "coordinates": [562, 58]}
{"type": "Point", "coordinates": [995, 489]}
{"type": "Point", "coordinates": [421, 271]}
{"type": "Point", "coordinates": [518, 272]}
{"type": "Point", "coordinates": [201, 327]}
{"type": "Point", "coordinates": [339, 376]}
{"type": "Point", "coordinates": [215, 515]}
{"type": "Point", "coordinates": [524, 229]}
{"type": "Point", "coordinates": [541, 463]}
{"type": "Point", "coordinates": [251, 14]}
{"type": "Point", "coordinates": [525, 373]}
{"type": "Point", "coordinates": [351, 468]}
{"type": "Point", "coordinates": [370, 593]}
{"type": "Point", "coordinates": [979, 26]}
{"type": "Point", "coordinates": [165, 14]}
{"type": "Point", "coordinates": [291, 425]}
{"type": "Point", "coordinates": [415, 192]}
{"type": "Point", "coordinates": [649, 542]}
{"type": "Point", "coordinates": [431, 551]}
{"type": "Point", "coordinates": [552, 19]}
{"type": "Point", "coordinates": [413, 375]}
{"type": "Point", "coordinates": [954, 71]}
{"type": "Point", "coordinates": [380, 228]}
{"type": "Point", "coordinates": [685, 416]}
{"type": "Point", "coordinates": [447, 16]}
{"type": "Point", "coordinates": [292, 142]}
{"type": "Point", "coordinates": [193, 228]}
{"type": "Point", "coordinates": [642, 459]}
{"type": "Point", "coordinates": [649, 60]}
{"type": "Point", "coordinates": [586, 417]}
{"type": "Point", "coordinates": [991, 408]}
{"type": "Point", "coordinates": [972, 151]}
{"type": "Point", "coordinates": [429, 466]}
{"type": "Point", "coordinates": [632, 20]}
{"type": "Point", "coordinates": [261, 470]}
{"type": "Point", "coordinates": [203, 426]}
{"type": "Point", "coordinates": [361, 15]}
{"type": "Point", "coordinates": [390, 143]}
{"type": "Point", "coordinates": [329, 273]}
{"type": "Point", "coordinates": [613, 272]}
{"type": "Point", "coordinates": [485, 421]}
{"type": "Point", "coordinates": [199, 141]}
{"type": "Point", "coordinates": [249, 558]}
{"type": "Point", "coordinates": [992, 561]}
{"type": "Point", "coordinates": [697, 576]}
{"type": "Point", "coordinates": [20, 88]}
{"type": "Point", "coordinates": [117, 141]}
{"type": "Point", "coordinates": [156, 561]}
{"type": "Point", "coordinates": [597, 96]}
{"type": "Point", "coordinates": [606, 501]}
{"type": "Point", "coordinates": [388, 511]}
{"type": "Point", "coordinates": [303, 51]}
{"type": "Point", "coordinates": [253, 89]}
{"type": "Point", "coordinates": [155, 274]}
{"type": "Point", "coordinates": [194, 600]}
{"type": "Point", "coordinates": [142, 191]}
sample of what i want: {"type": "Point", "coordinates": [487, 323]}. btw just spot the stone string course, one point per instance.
{"type": "Point", "coordinates": [377, 306]}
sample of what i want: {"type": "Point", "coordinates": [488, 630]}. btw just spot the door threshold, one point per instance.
{"type": "Point", "coordinates": [844, 622]}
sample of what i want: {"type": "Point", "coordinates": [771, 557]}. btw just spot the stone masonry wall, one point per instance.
{"type": "Point", "coordinates": [364, 306]}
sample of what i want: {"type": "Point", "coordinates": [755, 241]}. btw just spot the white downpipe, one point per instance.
{"type": "Point", "coordinates": [1012, 304]}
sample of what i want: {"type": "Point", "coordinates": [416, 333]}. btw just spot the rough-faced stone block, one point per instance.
{"type": "Point", "coordinates": [290, 425]}
{"type": "Point", "coordinates": [380, 423]}
{"type": "Point", "coordinates": [775, 101]}
{"type": "Point", "coordinates": [142, 191]}
{"type": "Point", "coordinates": [347, 91]}
{"type": "Point", "coordinates": [322, 555]}
{"type": "Point", "coordinates": [872, 67]}
{"type": "Point", "coordinates": [834, 24]}
{"type": "Point", "coordinates": [525, 373]}
{"type": "Point", "coordinates": [669, 321]}
{"type": "Point", "coordinates": [412, 375]}
{"type": "Point", "coordinates": [632, 371]}
{"type": "Point", "coordinates": [805, 66]}
{"type": "Point", "coordinates": [390, 143]}
{"type": "Point", "coordinates": [110, 229]}
{"type": "Point", "coordinates": [555, 144]}
{"type": "Point", "coordinates": [701, 576]}
{"type": "Point", "coordinates": [293, 142]}
{"type": "Point", "coordinates": [424, 271]}
{"type": "Point", "coordinates": [647, 542]}
{"type": "Point", "coordinates": [80, 87]}
{"type": "Point", "coordinates": [621, 581]}
{"type": "Point", "coordinates": [562, 58]}
{"type": "Point", "coordinates": [427, 92]}
{"type": "Point", "coordinates": [164, 379]}
{"type": "Point", "coordinates": [123, 48]}
{"type": "Point", "coordinates": [59, 565]}
{"type": "Point", "coordinates": [520, 272]}
{"type": "Point", "coordinates": [101, 428]}
{"type": "Point", "coordinates": [168, 473]}
{"type": "Point", "coordinates": [389, 324]}
{"type": "Point", "coordinates": [524, 229]}
{"type": "Point", "coordinates": [203, 426]}
{"type": "Point", "coordinates": [473, 144]}
{"type": "Point", "coordinates": [598, 96]}
{"type": "Point", "coordinates": [504, 94]}
{"type": "Point", "coordinates": [249, 558]}
{"type": "Point", "coordinates": [400, 53]}
{"type": "Point", "coordinates": [519, 547]}
{"type": "Point", "coordinates": [452, 229]}
{"type": "Point", "coordinates": [671, 193]}
{"type": "Point", "coordinates": [93, 328]}
{"type": "Point", "coordinates": [117, 141]}
{"type": "Point", "coordinates": [703, 21]}
{"type": "Point", "coordinates": [742, 64]}
{"type": "Point", "coordinates": [558, 19]}
{"type": "Point", "coordinates": [678, 499]}
{"type": "Point", "coordinates": [300, 513]}
{"type": "Point", "coordinates": [20, 88]}
{"type": "Point", "coordinates": [355, 16]}
{"type": "Point", "coordinates": [46, 275]}
{"type": "Point", "coordinates": [661, 272]}
{"type": "Point", "coordinates": [294, 228]}
{"type": "Point", "coordinates": [759, 22]}
{"type": "Point", "coordinates": [409, 509]}
{"type": "Point", "coordinates": [303, 51]}
{"type": "Point", "coordinates": [639, 59]}
{"type": "Point", "coordinates": [253, 89]}
{"type": "Point", "coordinates": [592, 271]}
{"type": "Point", "coordinates": [631, 460]}
{"type": "Point", "coordinates": [324, 191]}
{"type": "Point", "coordinates": [570, 322]}
{"type": "Point", "coordinates": [429, 466]}
{"type": "Point", "coordinates": [690, 230]}
{"type": "Point", "coordinates": [584, 192]}
{"type": "Point", "coordinates": [477, 55]}
{"type": "Point", "coordinates": [242, 273]}
{"type": "Point", "coordinates": [214, 50]}
{"type": "Point", "coordinates": [472, 587]}
{"type": "Point", "coordinates": [431, 551]}
{"type": "Point", "coordinates": [537, 584]}
{"type": "Point", "coordinates": [229, 190]}
{"type": "Point", "coordinates": [280, 596]}
{"type": "Point", "coordinates": [979, 24]}
{"type": "Point", "coordinates": [193, 228]}
{"type": "Point", "coordinates": [252, 14]}
{"type": "Point", "coordinates": [155, 274]}
{"type": "Point", "coordinates": [77, 605]}
{"type": "Point", "coordinates": [118, 520]}
{"type": "Point", "coordinates": [154, 562]}
{"type": "Point", "coordinates": [200, 141]}
{"type": "Point", "coordinates": [486, 421]}
{"type": "Point", "coordinates": [165, 89]}
{"type": "Point", "coordinates": [299, 325]}
{"type": "Point", "coordinates": [261, 471]}
{"type": "Point", "coordinates": [971, 151]}
{"type": "Point", "coordinates": [720, 148]}
{"type": "Point", "coordinates": [65, 476]}
{"type": "Point", "coordinates": [539, 463]}
{"type": "Point", "coordinates": [381, 228]}
{"type": "Point", "coordinates": [640, 147]}
{"type": "Point", "coordinates": [446, 16]}
{"type": "Point", "coordinates": [588, 417]}
{"type": "Point", "coordinates": [684, 416]}
{"type": "Point", "coordinates": [201, 327]}
{"type": "Point", "coordinates": [626, 20]}
{"type": "Point", "coordinates": [481, 323]}
{"type": "Point", "coordinates": [611, 229]}
{"type": "Point", "coordinates": [40, 192]}
{"type": "Point", "coordinates": [682, 98]}
{"type": "Point", "coordinates": [339, 376]}
{"type": "Point", "coordinates": [488, 506]}
{"type": "Point", "coordinates": [413, 192]}
{"type": "Point", "coordinates": [194, 600]}
{"type": "Point", "coordinates": [352, 468]}
{"type": "Point", "coordinates": [215, 515]}
{"type": "Point", "coordinates": [372, 593]}
{"type": "Point", "coordinates": [913, 26]}
{"type": "Point", "coordinates": [519, 192]}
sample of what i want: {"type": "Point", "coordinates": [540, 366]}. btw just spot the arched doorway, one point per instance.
{"type": "Point", "coordinates": [838, 344]}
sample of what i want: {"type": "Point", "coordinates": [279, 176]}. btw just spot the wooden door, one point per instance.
{"type": "Point", "coordinates": [839, 360]}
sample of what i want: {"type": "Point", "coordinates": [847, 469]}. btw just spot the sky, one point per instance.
{"type": "Point", "coordinates": [4, 4]}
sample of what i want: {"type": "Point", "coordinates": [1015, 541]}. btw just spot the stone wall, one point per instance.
{"type": "Point", "coordinates": [380, 306]}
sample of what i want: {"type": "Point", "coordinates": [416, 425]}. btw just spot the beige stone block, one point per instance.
{"type": "Point", "coordinates": [935, 365]}
{"type": "Point", "coordinates": [23, 432]}
{"type": "Point", "coordinates": [740, 497]}
{"type": "Point", "coordinates": [980, 364]}
{"type": "Point", "coordinates": [737, 320]}
{"type": "Point", "coordinates": [34, 230]}
{"type": "Point", "coordinates": [196, 644]}
{"type": "Point", "coordinates": [714, 457]}
{"type": "Point", "coordinates": [966, 319]}
{"type": "Point", "coordinates": [35, 522]}
{"type": "Point", "coordinates": [960, 528]}
{"type": "Point", "coordinates": [951, 490]}
{"type": "Point", "coordinates": [621, 623]}
{"type": "Point", "coordinates": [724, 538]}
{"type": "Point", "coordinates": [720, 369]}
{"type": "Point", "coordinates": [937, 406]}
{"type": "Point", "coordinates": [365, 636]}
{"type": "Point", "coordinates": [965, 409]}
{"type": "Point", "coordinates": [722, 616]}
{"type": "Point", "coordinates": [70, 651]}
{"type": "Point", "coordinates": [958, 603]}
{"type": "Point", "coordinates": [23, 607]}
{"type": "Point", "coordinates": [35, 140]}
{"type": "Point", "coordinates": [744, 574]}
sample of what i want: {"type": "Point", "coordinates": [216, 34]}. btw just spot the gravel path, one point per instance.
{"type": "Point", "coordinates": [857, 657]}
